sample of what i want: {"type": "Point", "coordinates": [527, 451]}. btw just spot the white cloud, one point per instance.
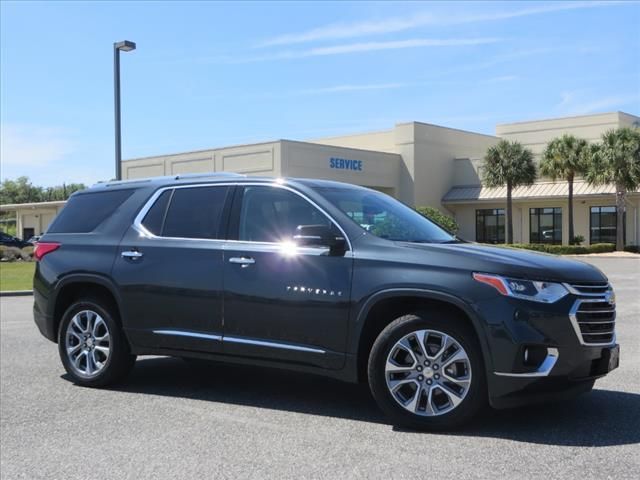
{"type": "Point", "coordinates": [363, 47]}
{"type": "Point", "coordinates": [339, 31]}
{"type": "Point", "coordinates": [578, 102]}
{"type": "Point", "coordinates": [501, 79]}
{"type": "Point", "coordinates": [50, 156]}
{"type": "Point", "coordinates": [353, 88]}
{"type": "Point", "coordinates": [33, 145]}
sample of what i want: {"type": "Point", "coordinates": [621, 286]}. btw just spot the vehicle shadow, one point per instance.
{"type": "Point", "coordinates": [598, 419]}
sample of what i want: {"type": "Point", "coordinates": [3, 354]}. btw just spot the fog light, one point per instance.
{"type": "Point", "coordinates": [533, 356]}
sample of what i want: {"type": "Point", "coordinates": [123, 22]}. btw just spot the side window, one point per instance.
{"type": "Point", "coordinates": [195, 212]}
{"type": "Point", "coordinates": [154, 218]}
{"type": "Point", "coordinates": [271, 214]}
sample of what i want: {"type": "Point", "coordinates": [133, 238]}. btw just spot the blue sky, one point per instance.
{"type": "Point", "coordinates": [212, 74]}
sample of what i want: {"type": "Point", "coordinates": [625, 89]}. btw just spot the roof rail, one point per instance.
{"type": "Point", "coordinates": [115, 183]}
{"type": "Point", "coordinates": [210, 174]}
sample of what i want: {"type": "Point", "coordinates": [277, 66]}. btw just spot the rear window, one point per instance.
{"type": "Point", "coordinates": [83, 213]}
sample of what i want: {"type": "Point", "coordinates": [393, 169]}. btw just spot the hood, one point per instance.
{"type": "Point", "coordinates": [511, 262]}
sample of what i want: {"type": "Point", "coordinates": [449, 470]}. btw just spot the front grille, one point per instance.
{"type": "Point", "coordinates": [593, 289]}
{"type": "Point", "coordinates": [594, 315]}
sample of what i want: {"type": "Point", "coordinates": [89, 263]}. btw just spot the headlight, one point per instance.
{"type": "Point", "coordinates": [544, 292]}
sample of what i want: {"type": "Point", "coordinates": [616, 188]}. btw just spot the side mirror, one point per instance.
{"type": "Point", "coordinates": [319, 236]}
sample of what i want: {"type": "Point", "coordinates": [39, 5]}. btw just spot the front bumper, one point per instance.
{"type": "Point", "coordinates": [564, 373]}
{"type": "Point", "coordinates": [536, 353]}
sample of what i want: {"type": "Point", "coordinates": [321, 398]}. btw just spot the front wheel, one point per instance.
{"type": "Point", "coordinates": [92, 346]}
{"type": "Point", "coordinates": [427, 372]}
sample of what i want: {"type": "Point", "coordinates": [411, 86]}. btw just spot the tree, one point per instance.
{"type": "Point", "coordinates": [565, 157]}
{"type": "Point", "coordinates": [22, 190]}
{"type": "Point", "coordinates": [508, 163]}
{"type": "Point", "coordinates": [445, 221]}
{"type": "Point", "coordinates": [617, 161]}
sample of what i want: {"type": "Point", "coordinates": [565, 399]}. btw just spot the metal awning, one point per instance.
{"type": "Point", "coordinates": [537, 191]}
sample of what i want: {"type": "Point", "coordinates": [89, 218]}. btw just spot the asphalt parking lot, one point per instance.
{"type": "Point", "coordinates": [171, 421]}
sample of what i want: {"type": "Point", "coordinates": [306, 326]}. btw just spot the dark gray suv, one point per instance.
{"type": "Point", "coordinates": [320, 277]}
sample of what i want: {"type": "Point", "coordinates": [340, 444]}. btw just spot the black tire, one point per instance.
{"type": "Point", "coordinates": [451, 325]}
{"type": "Point", "coordinates": [119, 362]}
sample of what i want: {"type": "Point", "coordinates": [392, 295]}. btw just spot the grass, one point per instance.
{"type": "Point", "coordinates": [16, 275]}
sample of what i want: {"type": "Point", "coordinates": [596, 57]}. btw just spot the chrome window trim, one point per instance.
{"type": "Point", "coordinates": [542, 371]}
{"type": "Point", "coordinates": [240, 340]}
{"type": "Point", "coordinates": [267, 247]}
{"type": "Point", "coordinates": [137, 222]}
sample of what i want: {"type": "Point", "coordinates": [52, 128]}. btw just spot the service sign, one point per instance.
{"type": "Point", "coordinates": [345, 164]}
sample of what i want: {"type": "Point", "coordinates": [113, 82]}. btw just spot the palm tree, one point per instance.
{"type": "Point", "coordinates": [565, 157]}
{"type": "Point", "coordinates": [617, 161]}
{"type": "Point", "coordinates": [508, 163]}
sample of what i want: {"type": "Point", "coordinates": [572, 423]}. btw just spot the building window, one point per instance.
{"type": "Point", "coordinates": [603, 225]}
{"type": "Point", "coordinates": [545, 225]}
{"type": "Point", "coordinates": [490, 225]}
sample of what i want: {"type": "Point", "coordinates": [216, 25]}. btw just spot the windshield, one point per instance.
{"type": "Point", "coordinates": [385, 217]}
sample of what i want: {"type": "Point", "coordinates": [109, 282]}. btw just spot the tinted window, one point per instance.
{"type": "Point", "coordinates": [490, 225]}
{"type": "Point", "coordinates": [545, 225]}
{"type": "Point", "coordinates": [195, 212]}
{"type": "Point", "coordinates": [385, 217]}
{"type": "Point", "coordinates": [604, 225]}
{"type": "Point", "coordinates": [271, 214]}
{"type": "Point", "coordinates": [83, 213]}
{"type": "Point", "coordinates": [154, 218]}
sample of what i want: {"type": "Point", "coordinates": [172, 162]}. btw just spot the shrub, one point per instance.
{"type": "Point", "coordinates": [11, 254]}
{"type": "Point", "coordinates": [632, 248]}
{"type": "Point", "coordinates": [602, 247]}
{"type": "Point", "coordinates": [435, 215]}
{"type": "Point", "coordinates": [565, 249]}
{"type": "Point", "coordinates": [577, 239]}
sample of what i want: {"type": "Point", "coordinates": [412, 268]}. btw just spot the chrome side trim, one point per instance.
{"type": "Point", "coordinates": [543, 370]}
{"type": "Point", "coordinates": [184, 333]}
{"type": "Point", "coordinates": [262, 343]}
{"type": "Point", "coordinates": [245, 341]}
{"type": "Point", "coordinates": [137, 222]}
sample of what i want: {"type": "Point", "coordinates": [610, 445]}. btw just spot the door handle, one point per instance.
{"type": "Point", "coordinates": [244, 261]}
{"type": "Point", "coordinates": [132, 254]}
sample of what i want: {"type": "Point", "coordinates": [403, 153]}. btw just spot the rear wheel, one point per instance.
{"type": "Point", "coordinates": [427, 372]}
{"type": "Point", "coordinates": [91, 344]}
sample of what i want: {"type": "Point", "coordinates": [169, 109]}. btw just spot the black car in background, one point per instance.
{"type": "Point", "coordinates": [7, 240]}
{"type": "Point", "coordinates": [319, 277]}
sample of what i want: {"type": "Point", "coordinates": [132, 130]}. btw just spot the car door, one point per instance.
{"type": "Point", "coordinates": [169, 269]}
{"type": "Point", "coordinates": [283, 302]}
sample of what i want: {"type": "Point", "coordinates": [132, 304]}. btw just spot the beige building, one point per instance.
{"type": "Point", "coordinates": [33, 218]}
{"type": "Point", "coordinates": [423, 164]}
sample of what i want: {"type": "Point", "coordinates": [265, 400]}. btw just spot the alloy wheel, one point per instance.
{"type": "Point", "coordinates": [87, 343]}
{"type": "Point", "coordinates": [428, 373]}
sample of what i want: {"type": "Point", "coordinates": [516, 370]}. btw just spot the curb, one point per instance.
{"type": "Point", "coordinates": [16, 293]}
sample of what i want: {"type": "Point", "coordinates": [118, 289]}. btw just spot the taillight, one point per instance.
{"type": "Point", "coordinates": [42, 248]}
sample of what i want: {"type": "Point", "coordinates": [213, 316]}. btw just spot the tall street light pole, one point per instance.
{"type": "Point", "coordinates": [125, 46]}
